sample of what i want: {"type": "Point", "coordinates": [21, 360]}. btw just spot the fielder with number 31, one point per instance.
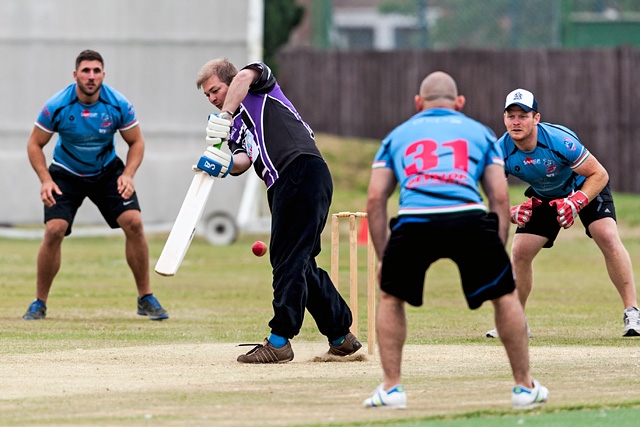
{"type": "Point", "coordinates": [440, 158]}
{"type": "Point", "coordinates": [566, 182]}
{"type": "Point", "coordinates": [262, 128]}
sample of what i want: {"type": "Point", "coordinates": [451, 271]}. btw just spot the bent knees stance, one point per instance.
{"type": "Point", "coordinates": [55, 230]}
{"type": "Point", "coordinates": [131, 223]}
{"type": "Point", "coordinates": [525, 247]}
{"type": "Point", "coordinates": [605, 233]}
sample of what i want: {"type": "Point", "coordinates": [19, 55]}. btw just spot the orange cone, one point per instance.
{"type": "Point", "coordinates": [363, 233]}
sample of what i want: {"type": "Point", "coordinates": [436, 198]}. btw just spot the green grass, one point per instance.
{"type": "Point", "coordinates": [223, 294]}
{"type": "Point", "coordinates": [627, 417]}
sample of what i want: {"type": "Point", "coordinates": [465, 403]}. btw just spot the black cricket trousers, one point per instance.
{"type": "Point", "coordinates": [299, 202]}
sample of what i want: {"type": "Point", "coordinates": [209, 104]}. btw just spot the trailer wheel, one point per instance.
{"type": "Point", "coordinates": [220, 229]}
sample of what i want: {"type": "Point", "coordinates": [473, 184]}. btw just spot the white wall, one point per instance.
{"type": "Point", "coordinates": [152, 51]}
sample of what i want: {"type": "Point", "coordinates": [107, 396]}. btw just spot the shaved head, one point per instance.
{"type": "Point", "coordinates": [438, 85]}
{"type": "Point", "coordinates": [439, 89]}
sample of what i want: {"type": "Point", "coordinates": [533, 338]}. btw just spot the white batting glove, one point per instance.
{"type": "Point", "coordinates": [218, 129]}
{"type": "Point", "coordinates": [215, 162]}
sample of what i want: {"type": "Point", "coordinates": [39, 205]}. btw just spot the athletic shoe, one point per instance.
{"type": "Point", "coordinates": [494, 333]}
{"type": "Point", "coordinates": [631, 322]}
{"type": "Point", "coordinates": [267, 353]}
{"type": "Point", "coordinates": [394, 398]}
{"type": "Point", "coordinates": [349, 345]}
{"type": "Point", "coordinates": [149, 306]}
{"type": "Point", "coordinates": [37, 310]}
{"type": "Point", "coordinates": [525, 398]}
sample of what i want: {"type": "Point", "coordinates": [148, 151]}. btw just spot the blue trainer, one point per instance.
{"type": "Point", "coordinates": [149, 306]}
{"type": "Point", "coordinates": [37, 310]}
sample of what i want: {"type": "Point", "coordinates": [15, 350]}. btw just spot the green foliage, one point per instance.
{"type": "Point", "coordinates": [280, 18]}
{"type": "Point", "coordinates": [503, 25]}
{"type": "Point", "coordinates": [403, 7]}
{"type": "Point", "coordinates": [599, 5]}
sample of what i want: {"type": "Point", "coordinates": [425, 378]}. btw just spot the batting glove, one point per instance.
{"type": "Point", "coordinates": [521, 214]}
{"type": "Point", "coordinates": [218, 129]}
{"type": "Point", "coordinates": [215, 162]}
{"type": "Point", "coordinates": [569, 207]}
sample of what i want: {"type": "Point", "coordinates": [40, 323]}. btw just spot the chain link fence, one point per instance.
{"type": "Point", "coordinates": [499, 24]}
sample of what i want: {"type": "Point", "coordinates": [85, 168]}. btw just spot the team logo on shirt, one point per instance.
{"type": "Point", "coordinates": [250, 145]}
{"type": "Point", "coordinates": [106, 120]}
{"type": "Point", "coordinates": [550, 166]}
{"type": "Point", "coordinates": [570, 144]}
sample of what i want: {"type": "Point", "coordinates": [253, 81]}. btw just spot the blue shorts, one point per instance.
{"type": "Point", "coordinates": [102, 190]}
{"type": "Point", "coordinates": [544, 222]}
{"type": "Point", "coordinates": [470, 240]}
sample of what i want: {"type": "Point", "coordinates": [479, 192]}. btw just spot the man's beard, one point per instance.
{"type": "Point", "coordinates": [87, 92]}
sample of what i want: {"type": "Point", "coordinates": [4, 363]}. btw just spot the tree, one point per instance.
{"type": "Point", "coordinates": [280, 18]}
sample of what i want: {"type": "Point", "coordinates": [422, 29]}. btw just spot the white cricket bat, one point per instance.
{"type": "Point", "coordinates": [185, 225]}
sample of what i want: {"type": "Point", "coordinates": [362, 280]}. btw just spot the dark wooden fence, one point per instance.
{"type": "Point", "coordinates": [596, 93]}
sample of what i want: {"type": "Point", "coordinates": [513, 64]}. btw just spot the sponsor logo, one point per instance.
{"type": "Point", "coordinates": [437, 178]}
{"type": "Point", "coordinates": [87, 114]}
{"type": "Point", "coordinates": [531, 161]}
{"type": "Point", "coordinates": [128, 202]}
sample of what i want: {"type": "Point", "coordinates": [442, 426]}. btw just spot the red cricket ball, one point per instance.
{"type": "Point", "coordinates": [259, 248]}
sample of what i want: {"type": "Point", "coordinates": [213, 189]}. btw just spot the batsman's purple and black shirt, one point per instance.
{"type": "Point", "coordinates": [268, 128]}
{"type": "Point", "coordinates": [86, 142]}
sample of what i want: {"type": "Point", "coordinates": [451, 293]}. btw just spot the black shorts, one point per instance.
{"type": "Point", "coordinates": [102, 190]}
{"type": "Point", "coordinates": [470, 240]}
{"type": "Point", "coordinates": [544, 222]}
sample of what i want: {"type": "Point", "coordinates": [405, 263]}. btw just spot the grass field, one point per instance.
{"type": "Point", "coordinates": [93, 361]}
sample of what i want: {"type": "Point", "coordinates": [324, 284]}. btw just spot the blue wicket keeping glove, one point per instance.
{"type": "Point", "coordinates": [215, 162]}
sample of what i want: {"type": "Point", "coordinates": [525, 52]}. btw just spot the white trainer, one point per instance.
{"type": "Point", "coordinates": [494, 333]}
{"type": "Point", "coordinates": [394, 398]}
{"type": "Point", "coordinates": [525, 398]}
{"type": "Point", "coordinates": [631, 322]}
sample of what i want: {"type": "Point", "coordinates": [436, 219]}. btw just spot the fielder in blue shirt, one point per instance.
{"type": "Point", "coordinates": [439, 158]}
{"type": "Point", "coordinates": [566, 182]}
{"type": "Point", "coordinates": [86, 115]}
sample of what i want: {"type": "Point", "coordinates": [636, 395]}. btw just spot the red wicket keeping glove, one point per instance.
{"type": "Point", "coordinates": [569, 207]}
{"type": "Point", "coordinates": [521, 214]}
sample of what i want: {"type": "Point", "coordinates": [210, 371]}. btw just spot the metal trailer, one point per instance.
{"type": "Point", "coordinates": [152, 51]}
